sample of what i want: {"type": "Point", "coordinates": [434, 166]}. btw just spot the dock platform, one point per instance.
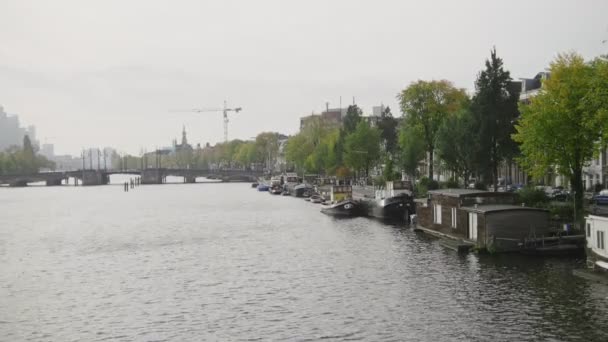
{"type": "Point", "coordinates": [451, 242]}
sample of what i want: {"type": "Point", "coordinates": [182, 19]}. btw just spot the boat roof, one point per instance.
{"type": "Point", "coordinates": [457, 192]}
{"type": "Point", "coordinates": [602, 216]}
{"type": "Point", "coordinates": [487, 208]}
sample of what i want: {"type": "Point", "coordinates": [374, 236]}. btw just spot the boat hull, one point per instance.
{"type": "Point", "coordinates": [393, 208]}
{"type": "Point", "coordinates": [343, 209]}
{"type": "Point", "coordinates": [302, 192]}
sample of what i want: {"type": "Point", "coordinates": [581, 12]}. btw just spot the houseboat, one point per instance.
{"type": "Point", "coordinates": [342, 203]}
{"type": "Point", "coordinates": [490, 221]}
{"type": "Point", "coordinates": [301, 190]}
{"type": "Point", "coordinates": [394, 201]}
{"type": "Point", "coordinates": [275, 186]}
{"type": "Point", "coordinates": [596, 234]}
{"type": "Point", "coordinates": [291, 178]}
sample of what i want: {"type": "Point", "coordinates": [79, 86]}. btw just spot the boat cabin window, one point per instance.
{"type": "Point", "coordinates": [600, 239]}
{"type": "Point", "coordinates": [588, 229]}
{"type": "Point", "coordinates": [454, 218]}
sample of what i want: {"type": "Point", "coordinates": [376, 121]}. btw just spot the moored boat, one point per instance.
{"type": "Point", "coordinates": [275, 190]}
{"type": "Point", "coordinates": [316, 198]}
{"type": "Point", "coordinates": [275, 186]}
{"type": "Point", "coordinates": [263, 187]}
{"type": "Point", "coordinates": [596, 234]}
{"type": "Point", "coordinates": [302, 190]}
{"type": "Point", "coordinates": [394, 202]}
{"type": "Point", "coordinates": [344, 208]}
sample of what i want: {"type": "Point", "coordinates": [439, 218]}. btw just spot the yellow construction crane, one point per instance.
{"type": "Point", "coordinates": [224, 110]}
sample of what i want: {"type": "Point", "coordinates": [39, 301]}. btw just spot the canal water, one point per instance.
{"type": "Point", "coordinates": [194, 262]}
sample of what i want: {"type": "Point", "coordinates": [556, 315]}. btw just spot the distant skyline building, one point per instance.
{"type": "Point", "coordinates": [11, 132]}
{"type": "Point", "coordinates": [330, 117]}
{"type": "Point", "coordinates": [378, 110]}
{"type": "Point", "coordinates": [48, 150]}
{"type": "Point", "coordinates": [184, 146]}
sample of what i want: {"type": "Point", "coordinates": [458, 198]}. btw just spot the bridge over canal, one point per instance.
{"type": "Point", "coordinates": [147, 176]}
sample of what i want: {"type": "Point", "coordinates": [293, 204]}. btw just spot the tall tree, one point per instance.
{"type": "Point", "coordinates": [412, 148]}
{"type": "Point", "coordinates": [298, 149]}
{"type": "Point", "coordinates": [495, 108]}
{"type": "Point", "coordinates": [267, 144]}
{"type": "Point", "coordinates": [562, 126]}
{"type": "Point", "coordinates": [426, 104]}
{"type": "Point", "coordinates": [28, 156]}
{"type": "Point", "coordinates": [457, 143]}
{"type": "Point", "coordinates": [352, 118]}
{"type": "Point", "coordinates": [362, 147]}
{"type": "Point", "coordinates": [388, 130]}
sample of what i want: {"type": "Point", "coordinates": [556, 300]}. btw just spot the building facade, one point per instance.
{"type": "Point", "coordinates": [11, 132]}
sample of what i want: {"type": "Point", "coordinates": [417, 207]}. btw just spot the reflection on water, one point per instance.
{"type": "Point", "coordinates": [225, 262]}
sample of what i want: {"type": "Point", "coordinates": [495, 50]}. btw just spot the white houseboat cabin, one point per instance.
{"type": "Point", "coordinates": [596, 233]}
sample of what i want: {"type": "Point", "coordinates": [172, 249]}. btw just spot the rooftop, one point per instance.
{"type": "Point", "coordinates": [499, 207]}
{"type": "Point", "coordinates": [456, 192]}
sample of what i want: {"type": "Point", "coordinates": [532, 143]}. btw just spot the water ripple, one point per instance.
{"type": "Point", "coordinates": [177, 263]}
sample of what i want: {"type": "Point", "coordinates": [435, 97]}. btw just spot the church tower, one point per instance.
{"type": "Point", "coordinates": [184, 139]}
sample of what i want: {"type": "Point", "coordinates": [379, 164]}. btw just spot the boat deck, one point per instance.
{"type": "Point", "coordinates": [451, 242]}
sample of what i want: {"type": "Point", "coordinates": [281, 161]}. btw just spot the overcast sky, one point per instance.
{"type": "Point", "coordinates": [107, 73]}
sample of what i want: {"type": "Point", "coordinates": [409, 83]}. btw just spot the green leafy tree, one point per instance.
{"type": "Point", "coordinates": [352, 118]}
{"type": "Point", "coordinates": [389, 173]}
{"type": "Point", "coordinates": [362, 147]}
{"type": "Point", "coordinates": [28, 156]}
{"type": "Point", "coordinates": [495, 107]}
{"type": "Point", "coordinates": [562, 126]}
{"type": "Point", "coordinates": [426, 104]}
{"type": "Point", "coordinates": [412, 148]}
{"type": "Point", "coordinates": [388, 130]}
{"type": "Point", "coordinates": [324, 158]}
{"type": "Point", "coordinates": [457, 143]}
{"type": "Point", "coordinates": [267, 145]}
{"type": "Point", "coordinates": [298, 149]}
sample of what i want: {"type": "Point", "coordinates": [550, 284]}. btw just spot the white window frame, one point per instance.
{"type": "Point", "coordinates": [454, 218]}
{"type": "Point", "coordinates": [437, 214]}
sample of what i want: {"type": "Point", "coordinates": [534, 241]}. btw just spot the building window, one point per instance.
{"type": "Point", "coordinates": [600, 239]}
{"type": "Point", "coordinates": [589, 230]}
{"type": "Point", "coordinates": [454, 221]}
{"type": "Point", "coordinates": [437, 214]}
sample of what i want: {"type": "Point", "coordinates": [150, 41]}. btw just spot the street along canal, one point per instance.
{"type": "Point", "coordinates": [225, 262]}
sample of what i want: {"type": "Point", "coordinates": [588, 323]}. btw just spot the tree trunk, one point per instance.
{"type": "Point", "coordinates": [577, 186]}
{"type": "Point", "coordinates": [431, 163]}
